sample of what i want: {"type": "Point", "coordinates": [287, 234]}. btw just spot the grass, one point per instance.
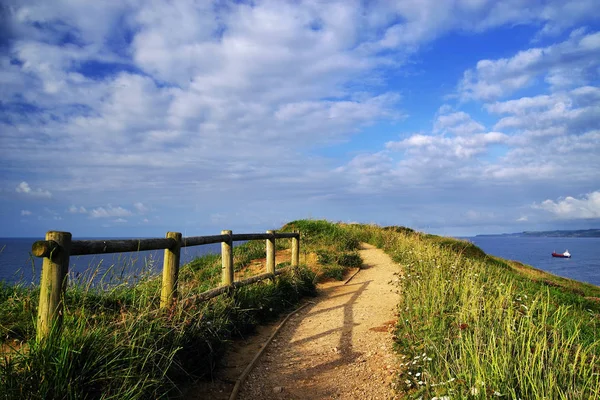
{"type": "Point", "coordinates": [469, 325]}
{"type": "Point", "coordinates": [475, 326]}
{"type": "Point", "coordinates": [115, 344]}
{"type": "Point", "coordinates": [333, 248]}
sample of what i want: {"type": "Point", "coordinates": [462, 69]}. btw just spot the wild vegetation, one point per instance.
{"type": "Point", "coordinates": [114, 342]}
{"type": "Point", "coordinates": [475, 326]}
{"type": "Point", "coordinates": [469, 325]}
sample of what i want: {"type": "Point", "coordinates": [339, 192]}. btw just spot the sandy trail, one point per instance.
{"type": "Point", "coordinates": [339, 347]}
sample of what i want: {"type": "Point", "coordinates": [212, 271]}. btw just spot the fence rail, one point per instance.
{"type": "Point", "coordinates": [59, 246]}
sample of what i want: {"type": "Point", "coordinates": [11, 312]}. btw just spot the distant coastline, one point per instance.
{"type": "Point", "coordinates": [583, 233]}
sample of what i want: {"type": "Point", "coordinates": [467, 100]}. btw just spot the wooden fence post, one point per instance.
{"type": "Point", "coordinates": [170, 272]}
{"type": "Point", "coordinates": [53, 284]}
{"type": "Point", "coordinates": [271, 253]}
{"type": "Point", "coordinates": [295, 251]}
{"type": "Point", "coordinates": [227, 260]}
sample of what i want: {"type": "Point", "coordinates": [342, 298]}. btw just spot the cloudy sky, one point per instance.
{"type": "Point", "coordinates": [132, 118]}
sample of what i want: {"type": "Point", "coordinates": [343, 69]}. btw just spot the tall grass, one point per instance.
{"type": "Point", "coordinates": [114, 342]}
{"type": "Point", "coordinates": [334, 247]}
{"type": "Point", "coordinates": [471, 327]}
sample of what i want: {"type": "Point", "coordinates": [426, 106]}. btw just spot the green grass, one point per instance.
{"type": "Point", "coordinates": [115, 343]}
{"type": "Point", "coordinates": [474, 326]}
{"type": "Point", "coordinates": [335, 248]}
{"type": "Point", "coordinates": [469, 325]}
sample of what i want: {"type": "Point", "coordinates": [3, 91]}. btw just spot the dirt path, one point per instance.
{"type": "Point", "coordinates": [340, 347]}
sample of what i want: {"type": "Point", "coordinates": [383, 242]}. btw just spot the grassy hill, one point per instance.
{"type": "Point", "coordinates": [469, 325]}
{"type": "Point", "coordinates": [475, 326]}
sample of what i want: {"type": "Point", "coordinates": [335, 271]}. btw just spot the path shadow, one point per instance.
{"type": "Point", "coordinates": [344, 350]}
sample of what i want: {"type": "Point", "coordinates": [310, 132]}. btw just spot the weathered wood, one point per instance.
{"type": "Point", "coordinates": [260, 236]}
{"type": "Point", "coordinates": [295, 251]}
{"type": "Point", "coordinates": [250, 236]}
{"type": "Point", "coordinates": [52, 284]}
{"type": "Point", "coordinates": [287, 235]}
{"type": "Point", "coordinates": [43, 248]}
{"type": "Point", "coordinates": [209, 294]}
{"type": "Point", "coordinates": [170, 271]}
{"type": "Point", "coordinates": [200, 240]}
{"type": "Point", "coordinates": [227, 259]}
{"type": "Point", "coordinates": [85, 247]}
{"type": "Point", "coordinates": [271, 252]}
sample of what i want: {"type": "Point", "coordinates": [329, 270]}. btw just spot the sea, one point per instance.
{"type": "Point", "coordinates": [17, 265]}
{"type": "Point", "coordinates": [583, 266]}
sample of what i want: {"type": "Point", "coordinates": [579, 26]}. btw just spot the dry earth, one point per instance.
{"type": "Point", "coordinates": [338, 347]}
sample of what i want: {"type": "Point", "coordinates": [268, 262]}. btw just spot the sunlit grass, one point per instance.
{"type": "Point", "coordinates": [471, 327]}
{"type": "Point", "coordinates": [115, 343]}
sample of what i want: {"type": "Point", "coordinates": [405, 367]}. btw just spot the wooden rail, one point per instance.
{"type": "Point", "coordinates": [59, 247]}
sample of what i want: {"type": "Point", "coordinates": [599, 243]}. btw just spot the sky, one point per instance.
{"type": "Point", "coordinates": [133, 118]}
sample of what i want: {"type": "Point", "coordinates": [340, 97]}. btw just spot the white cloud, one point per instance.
{"type": "Point", "coordinates": [461, 147]}
{"type": "Point", "coordinates": [567, 64]}
{"type": "Point", "coordinates": [588, 206]}
{"type": "Point", "coordinates": [141, 208]}
{"type": "Point", "coordinates": [24, 188]}
{"type": "Point", "coordinates": [109, 211]}
{"type": "Point", "coordinates": [77, 210]}
{"type": "Point", "coordinates": [25, 213]}
{"type": "Point", "coordinates": [172, 102]}
{"type": "Point", "coordinates": [557, 114]}
{"type": "Point", "coordinates": [458, 123]}
{"type": "Point", "coordinates": [423, 20]}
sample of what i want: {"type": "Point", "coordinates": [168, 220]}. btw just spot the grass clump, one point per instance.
{"type": "Point", "coordinates": [334, 247]}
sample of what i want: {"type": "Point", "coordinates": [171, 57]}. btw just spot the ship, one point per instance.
{"type": "Point", "coordinates": [566, 254]}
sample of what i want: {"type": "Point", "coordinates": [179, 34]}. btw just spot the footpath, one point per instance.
{"type": "Point", "coordinates": [337, 347]}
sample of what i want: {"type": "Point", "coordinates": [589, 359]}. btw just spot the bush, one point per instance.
{"type": "Point", "coordinates": [333, 271]}
{"type": "Point", "coordinates": [350, 260]}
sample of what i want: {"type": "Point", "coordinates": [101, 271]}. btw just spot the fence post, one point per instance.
{"type": "Point", "coordinates": [271, 253]}
{"type": "Point", "coordinates": [227, 260]}
{"type": "Point", "coordinates": [53, 283]}
{"type": "Point", "coordinates": [170, 271]}
{"type": "Point", "coordinates": [296, 251]}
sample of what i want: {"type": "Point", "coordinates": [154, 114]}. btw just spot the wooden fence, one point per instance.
{"type": "Point", "coordinates": [58, 248]}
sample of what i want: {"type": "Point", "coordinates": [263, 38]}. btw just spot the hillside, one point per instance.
{"type": "Point", "coordinates": [467, 325]}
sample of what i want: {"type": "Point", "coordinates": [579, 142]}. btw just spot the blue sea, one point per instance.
{"type": "Point", "coordinates": [17, 265]}
{"type": "Point", "coordinates": [584, 264]}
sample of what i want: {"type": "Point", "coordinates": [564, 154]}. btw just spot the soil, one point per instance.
{"type": "Point", "coordinates": [338, 347]}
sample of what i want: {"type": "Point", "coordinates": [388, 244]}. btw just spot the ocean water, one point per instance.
{"type": "Point", "coordinates": [17, 265]}
{"type": "Point", "coordinates": [584, 264]}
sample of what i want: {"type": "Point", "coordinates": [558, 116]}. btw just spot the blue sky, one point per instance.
{"type": "Point", "coordinates": [134, 118]}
